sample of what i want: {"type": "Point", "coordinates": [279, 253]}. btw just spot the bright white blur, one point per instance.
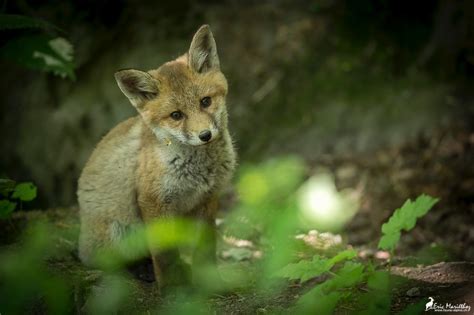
{"type": "Point", "coordinates": [322, 206]}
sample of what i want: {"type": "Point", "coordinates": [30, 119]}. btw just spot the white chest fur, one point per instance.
{"type": "Point", "coordinates": [194, 173]}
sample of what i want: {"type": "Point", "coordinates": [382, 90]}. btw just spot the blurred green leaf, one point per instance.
{"type": "Point", "coordinates": [349, 275]}
{"type": "Point", "coordinates": [266, 192]}
{"type": "Point", "coordinates": [26, 277]}
{"type": "Point", "coordinates": [377, 300]}
{"type": "Point", "coordinates": [404, 218]}
{"type": "Point", "coordinates": [6, 186]}
{"type": "Point", "coordinates": [25, 191]}
{"type": "Point", "coordinates": [389, 240]}
{"type": "Point", "coordinates": [429, 254]}
{"type": "Point", "coordinates": [13, 21]}
{"type": "Point", "coordinates": [305, 270]}
{"type": "Point", "coordinates": [253, 187]}
{"type": "Point", "coordinates": [344, 255]}
{"type": "Point", "coordinates": [185, 304]}
{"type": "Point", "coordinates": [317, 302]}
{"type": "Point", "coordinates": [41, 52]}
{"type": "Point", "coordinates": [414, 309]}
{"type": "Point", "coordinates": [164, 234]}
{"type": "Point", "coordinates": [107, 297]}
{"type": "Point", "coordinates": [160, 235]}
{"type": "Point", "coordinates": [379, 280]}
{"type": "Point", "coordinates": [270, 182]}
{"type": "Point", "coordinates": [6, 208]}
{"type": "Point", "coordinates": [323, 298]}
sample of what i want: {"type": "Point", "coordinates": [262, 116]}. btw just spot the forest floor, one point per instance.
{"type": "Point", "coordinates": [434, 260]}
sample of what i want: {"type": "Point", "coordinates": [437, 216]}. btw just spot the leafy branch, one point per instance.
{"type": "Point", "coordinates": [305, 270]}
{"type": "Point", "coordinates": [343, 283]}
{"type": "Point", "coordinates": [405, 219]}
{"type": "Point", "coordinates": [11, 193]}
{"type": "Point", "coordinates": [38, 51]}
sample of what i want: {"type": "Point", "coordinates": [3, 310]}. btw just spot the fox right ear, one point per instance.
{"type": "Point", "coordinates": [203, 52]}
{"type": "Point", "coordinates": [137, 85]}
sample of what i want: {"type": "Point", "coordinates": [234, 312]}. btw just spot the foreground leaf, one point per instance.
{"type": "Point", "coordinates": [25, 192]}
{"type": "Point", "coordinates": [41, 52]}
{"type": "Point", "coordinates": [405, 219]}
{"type": "Point", "coordinates": [305, 270]}
{"type": "Point", "coordinates": [6, 208]}
{"type": "Point", "coordinates": [377, 300]}
{"type": "Point", "coordinates": [323, 298]}
{"type": "Point", "coordinates": [6, 186]}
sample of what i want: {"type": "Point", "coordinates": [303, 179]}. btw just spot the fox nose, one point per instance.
{"type": "Point", "coordinates": [205, 135]}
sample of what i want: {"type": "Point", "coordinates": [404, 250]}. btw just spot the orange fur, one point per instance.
{"type": "Point", "coordinates": [153, 165]}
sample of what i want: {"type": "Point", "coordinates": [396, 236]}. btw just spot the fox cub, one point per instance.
{"type": "Point", "coordinates": [172, 159]}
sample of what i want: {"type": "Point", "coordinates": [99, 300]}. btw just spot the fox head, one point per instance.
{"type": "Point", "coordinates": [183, 100]}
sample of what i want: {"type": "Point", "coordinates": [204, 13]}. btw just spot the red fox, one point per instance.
{"type": "Point", "coordinates": [172, 159]}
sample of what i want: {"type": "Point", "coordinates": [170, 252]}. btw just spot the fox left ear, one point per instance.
{"type": "Point", "coordinates": [137, 85]}
{"type": "Point", "coordinates": [203, 51]}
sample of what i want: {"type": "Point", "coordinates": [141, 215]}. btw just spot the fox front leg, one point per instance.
{"type": "Point", "coordinates": [157, 259]}
{"type": "Point", "coordinates": [161, 260]}
{"type": "Point", "coordinates": [204, 255]}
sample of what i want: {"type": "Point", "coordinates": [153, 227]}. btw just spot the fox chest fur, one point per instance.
{"type": "Point", "coordinates": [187, 176]}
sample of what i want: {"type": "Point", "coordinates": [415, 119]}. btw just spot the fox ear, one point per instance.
{"type": "Point", "coordinates": [137, 85]}
{"type": "Point", "coordinates": [203, 52]}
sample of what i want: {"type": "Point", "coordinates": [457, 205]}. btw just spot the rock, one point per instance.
{"type": "Point", "coordinates": [444, 272]}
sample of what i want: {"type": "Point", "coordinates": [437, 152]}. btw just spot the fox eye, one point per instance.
{"type": "Point", "coordinates": [177, 115]}
{"type": "Point", "coordinates": [206, 102]}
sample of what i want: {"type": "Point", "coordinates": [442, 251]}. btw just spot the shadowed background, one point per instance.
{"type": "Point", "coordinates": [341, 110]}
{"type": "Point", "coordinates": [312, 78]}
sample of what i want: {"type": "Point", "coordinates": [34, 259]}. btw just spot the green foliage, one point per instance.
{"type": "Point", "coordinates": [414, 309]}
{"type": "Point", "coordinates": [270, 182]}
{"type": "Point", "coordinates": [25, 191]}
{"type": "Point", "coordinates": [343, 288]}
{"type": "Point", "coordinates": [160, 235]}
{"type": "Point", "coordinates": [6, 208]}
{"type": "Point", "coordinates": [266, 191]}
{"type": "Point", "coordinates": [42, 52]}
{"type": "Point", "coordinates": [350, 274]}
{"type": "Point", "coordinates": [6, 186]}
{"type": "Point", "coordinates": [38, 51]}
{"type": "Point", "coordinates": [377, 300]}
{"type": "Point", "coordinates": [267, 202]}
{"type": "Point", "coordinates": [404, 218]}
{"type": "Point", "coordinates": [9, 191]}
{"type": "Point", "coordinates": [305, 270]}
{"type": "Point", "coordinates": [109, 296]}
{"type": "Point", "coordinates": [26, 278]}
{"type": "Point", "coordinates": [323, 298]}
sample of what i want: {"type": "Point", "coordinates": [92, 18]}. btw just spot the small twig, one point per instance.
{"type": "Point", "coordinates": [333, 274]}
{"type": "Point", "coordinates": [348, 308]}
